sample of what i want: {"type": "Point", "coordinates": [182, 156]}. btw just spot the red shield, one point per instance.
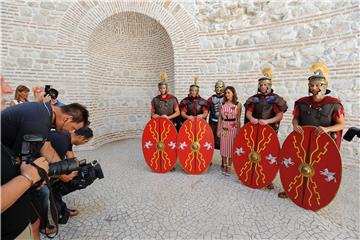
{"type": "Point", "coordinates": [159, 145]}
{"type": "Point", "coordinates": [310, 168]}
{"type": "Point", "coordinates": [195, 144]}
{"type": "Point", "coordinates": [256, 148]}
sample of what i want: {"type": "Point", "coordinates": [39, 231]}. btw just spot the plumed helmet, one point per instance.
{"type": "Point", "coordinates": [266, 77]}
{"type": "Point", "coordinates": [163, 79]}
{"type": "Point", "coordinates": [195, 84]}
{"type": "Point", "coordinates": [320, 72]}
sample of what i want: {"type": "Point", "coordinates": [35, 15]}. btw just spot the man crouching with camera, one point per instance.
{"type": "Point", "coordinates": [62, 142]}
{"type": "Point", "coordinates": [16, 122]}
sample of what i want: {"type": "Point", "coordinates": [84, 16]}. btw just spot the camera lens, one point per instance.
{"type": "Point", "coordinates": [63, 167]}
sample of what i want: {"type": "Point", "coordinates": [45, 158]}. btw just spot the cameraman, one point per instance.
{"type": "Point", "coordinates": [53, 94]}
{"type": "Point", "coordinates": [15, 181]}
{"type": "Point", "coordinates": [62, 142]}
{"type": "Point", "coordinates": [15, 197]}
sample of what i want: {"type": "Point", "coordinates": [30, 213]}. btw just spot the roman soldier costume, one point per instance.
{"type": "Point", "coordinates": [159, 136]}
{"type": "Point", "coordinates": [266, 105]}
{"type": "Point", "coordinates": [195, 141]}
{"type": "Point", "coordinates": [310, 168]}
{"type": "Point", "coordinates": [323, 113]}
{"type": "Point", "coordinates": [164, 104]}
{"type": "Point", "coordinates": [214, 103]}
{"type": "Point", "coordinates": [318, 155]}
{"type": "Point", "coordinates": [193, 106]}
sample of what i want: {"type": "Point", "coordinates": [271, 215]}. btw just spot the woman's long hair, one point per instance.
{"type": "Point", "coordinates": [235, 98]}
{"type": "Point", "coordinates": [19, 89]}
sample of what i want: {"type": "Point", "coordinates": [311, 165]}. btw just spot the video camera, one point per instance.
{"type": "Point", "coordinates": [351, 132]}
{"type": "Point", "coordinates": [30, 151]}
{"type": "Point", "coordinates": [52, 92]}
{"type": "Point", "coordinates": [87, 173]}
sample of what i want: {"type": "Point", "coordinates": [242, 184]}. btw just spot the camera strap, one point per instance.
{"type": "Point", "coordinates": [48, 110]}
{"type": "Point", "coordinates": [10, 154]}
{"type": "Point", "coordinates": [53, 209]}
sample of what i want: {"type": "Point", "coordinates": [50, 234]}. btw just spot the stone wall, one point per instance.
{"type": "Point", "coordinates": [107, 54]}
{"type": "Point", "coordinates": [126, 53]}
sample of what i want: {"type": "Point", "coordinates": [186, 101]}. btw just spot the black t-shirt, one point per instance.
{"type": "Point", "coordinates": [15, 219]}
{"type": "Point", "coordinates": [22, 119]}
{"type": "Point", "coordinates": [61, 142]}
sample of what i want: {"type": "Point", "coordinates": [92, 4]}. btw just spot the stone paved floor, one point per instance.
{"type": "Point", "coordinates": [132, 202]}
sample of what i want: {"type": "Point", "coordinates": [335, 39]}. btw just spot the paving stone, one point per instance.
{"type": "Point", "coordinates": [132, 202]}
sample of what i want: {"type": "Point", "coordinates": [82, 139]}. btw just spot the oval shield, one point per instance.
{"type": "Point", "coordinates": [159, 145]}
{"type": "Point", "coordinates": [256, 148]}
{"type": "Point", "coordinates": [310, 168]}
{"type": "Point", "coordinates": [195, 146]}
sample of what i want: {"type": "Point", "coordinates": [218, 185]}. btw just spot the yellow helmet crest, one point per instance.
{"type": "Point", "coordinates": [163, 76]}
{"type": "Point", "coordinates": [163, 79]}
{"type": "Point", "coordinates": [266, 77]}
{"type": "Point", "coordinates": [319, 70]}
{"type": "Point", "coordinates": [267, 72]}
{"type": "Point", "coordinates": [196, 80]}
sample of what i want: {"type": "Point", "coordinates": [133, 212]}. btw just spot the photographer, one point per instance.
{"type": "Point", "coordinates": [38, 118]}
{"type": "Point", "coordinates": [62, 142]}
{"type": "Point", "coordinates": [15, 181]}
{"type": "Point", "coordinates": [15, 197]}
{"type": "Point", "coordinates": [53, 93]}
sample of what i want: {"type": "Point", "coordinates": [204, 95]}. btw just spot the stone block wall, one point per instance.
{"type": "Point", "coordinates": [108, 54]}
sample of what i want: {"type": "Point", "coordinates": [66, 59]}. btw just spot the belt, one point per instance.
{"type": "Point", "coordinates": [230, 119]}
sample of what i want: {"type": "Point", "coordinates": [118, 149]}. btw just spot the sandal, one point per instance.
{"type": "Point", "coordinates": [224, 170]}
{"type": "Point", "coordinates": [282, 195]}
{"type": "Point", "coordinates": [229, 169]}
{"type": "Point", "coordinates": [73, 212]}
{"type": "Point", "coordinates": [270, 186]}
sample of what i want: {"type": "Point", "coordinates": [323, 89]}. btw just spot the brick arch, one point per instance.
{"type": "Point", "coordinates": [81, 21]}
{"type": "Point", "coordinates": [84, 18]}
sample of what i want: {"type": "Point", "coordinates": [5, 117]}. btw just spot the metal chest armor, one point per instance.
{"type": "Point", "coordinates": [321, 116]}
{"type": "Point", "coordinates": [164, 107]}
{"type": "Point", "coordinates": [263, 107]}
{"type": "Point", "coordinates": [194, 106]}
{"type": "Point", "coordinates": [216, 102]}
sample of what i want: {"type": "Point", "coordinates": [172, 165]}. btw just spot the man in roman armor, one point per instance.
{"type": "Point", "coordinates": [165, 105]}
{"type": "Point", "coordinates": [265, 107]}
{"type": "Point", "coordinates": [319, 109]}
{"type": "Point", "coordinates": [194, 106]}
{"type": "Point", "coordinates": [214, 103]}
